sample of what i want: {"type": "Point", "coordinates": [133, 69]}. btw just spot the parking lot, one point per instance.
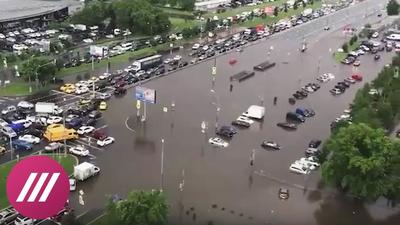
{"type": "Point", "coordinates": [246, 194]}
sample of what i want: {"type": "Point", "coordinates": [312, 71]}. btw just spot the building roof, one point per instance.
{"type": "Point", "coordinates": [11, 10]}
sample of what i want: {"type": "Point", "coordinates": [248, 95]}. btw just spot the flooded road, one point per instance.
{"type": "Point", "coordinates": [219, 184]}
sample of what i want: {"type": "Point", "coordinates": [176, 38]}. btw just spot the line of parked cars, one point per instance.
{"type": "Point", "coordinates": [310, 162]}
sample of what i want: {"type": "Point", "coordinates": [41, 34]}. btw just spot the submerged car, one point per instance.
{"type": "Point", "coordinates": [271, 145]}
{"type": "Point", "coordinates": [218, 142]}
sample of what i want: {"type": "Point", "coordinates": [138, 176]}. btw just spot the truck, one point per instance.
{"type": "Point", "coordinates": [45, 107]}
{"type": "Point", "coordinates": [85, 170]}
{"type": "Point", "coordinates": [307, 12]}
{"type": "Point", "coordinates": [255, 112]}
{"type": "Point", "coordinates": [57, 132]}
{"type": "Point", "coordinates": [147, 63]}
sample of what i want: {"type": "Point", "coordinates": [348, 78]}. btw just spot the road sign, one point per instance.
{"type": "Point", "coordinates": [137, 104]}
{"type": "Point", "coordinates": [214, 70]}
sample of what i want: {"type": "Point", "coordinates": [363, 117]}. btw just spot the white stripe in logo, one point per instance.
{"type": "Point", "coordinates": [38, 187]}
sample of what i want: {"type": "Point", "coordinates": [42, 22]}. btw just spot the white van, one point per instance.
{"type": "Point", "coordinates": [127, 46]}
{"type": "Point", "coordinates": [393, 37]}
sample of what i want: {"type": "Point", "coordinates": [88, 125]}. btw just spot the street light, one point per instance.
{"type": "Point", "coordinates": [162, 165]}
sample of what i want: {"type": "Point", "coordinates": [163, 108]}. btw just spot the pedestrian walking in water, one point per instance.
{"type": "Point", "coordinates": [275, 100]}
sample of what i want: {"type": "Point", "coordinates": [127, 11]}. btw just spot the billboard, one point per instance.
{"type": "Point", "coordinates": [145, 95]}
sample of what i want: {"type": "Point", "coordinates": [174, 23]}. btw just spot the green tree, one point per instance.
{"type": "Point", "coordinates": [295, 6]}
{"type": "Point", "coordinates": [311, 2]}
{"type": "Point", "coordinates": [345, 47]}
{"type": "Point", "coordinates": [285, 7]}
{"type": "Point", "coordinates": [143, 208]}
{"type": "Point", "coordinates": [362, 162]}
{"type": "Point", "coordinates": [304, 4]}
{"type": "Point", "coordinates": [94, 13]}
{"type": "Point", "coordinates": [187, 4]}
{"type": "Point", "coordinates": [392, 8]}
{"type": "Point", "coordinates": [45, 69]}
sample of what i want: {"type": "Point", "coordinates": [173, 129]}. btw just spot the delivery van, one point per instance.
{"type": "Point", "coordinates": [57, 132]}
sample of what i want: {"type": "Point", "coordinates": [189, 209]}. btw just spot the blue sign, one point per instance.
{"type": "Point", "coordinates": [145, 95]}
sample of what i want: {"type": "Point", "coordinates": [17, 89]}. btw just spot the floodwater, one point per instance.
{"type": "Point", "coordinates": [219, 185]}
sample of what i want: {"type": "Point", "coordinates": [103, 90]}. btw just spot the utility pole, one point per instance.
{"type": "Point", "coordinates": [162, 165]}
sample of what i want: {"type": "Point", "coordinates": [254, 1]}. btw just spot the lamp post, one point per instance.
{"type": "Point", "coordinates": [217, 107]}
{"type": "Point", "coordinates": [162, 165]}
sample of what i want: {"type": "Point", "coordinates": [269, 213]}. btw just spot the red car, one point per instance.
{"type": "Point", "coordinates": [357, 77]}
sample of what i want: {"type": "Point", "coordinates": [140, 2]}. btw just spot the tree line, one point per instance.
{"type": "Point", "coordinates": [139, 16]}
{"type": "Point", "coordinates": [361, 159]}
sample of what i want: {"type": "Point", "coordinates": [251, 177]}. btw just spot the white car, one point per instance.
{"type": "Point", "coordinates": [81, 90]}
{"type": "Point", "coordinates": [54, 119]}
{"type": "Point", "coordinates": [167, 60]}
{"type": "Point", "coordinates": [350, 80]}
{"type": "Point", "coordinates": [245, 119]}
{"type": "Point", "coordinates": [85, 130]}
{"type": "Point", "coordinates": [3, 122]}
{"type": "Point", "coordinates": [87, 40]}
{"type": "Point", "coordinates": [22, 220]}
{"type": "Point", "coordinates": [53, 146]}
{"type": "Point", "coordinates": [309, 162]}
{"type": "Point", "coordinates": [29, 138]}
{"type": "Point", "coordinates": [8, 109]}
{"type": "Point", "coordinates": [299, 168]}
{"type": "Point", "coordinates": [25, 105]}
{"type": "Point", "coordinates": [373, 91]}
{"type": "Point", "coordinates": [218, 142]}
{"type": "Point", "coordinates": [104, 76]}
{"type": "Point", "coordinates": [104, 96]}
{"type": "Point", "coordinates": [177, 57]}
{"type": "Point", "coordinates": [72, 184]}
{"type": "Point", "coordinates": [79, 150]}
{"type": "Point", "coordinates": [196, 46]}
{"type": "Point", "coordinates": [326, 77]}
{"type": "Point", "coordinates": [105, 141]}
{"type": "Point", "coordinates": [57, 110]}
{"type": "Point", "coordinates": [375, 35]}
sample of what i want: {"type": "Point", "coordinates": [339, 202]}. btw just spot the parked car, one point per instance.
{"type": "Point", "coordinates": [283, 193]}
{"type": "Point", "coordinates": [295, 117]}
{"type": "Point", "coordinates": [218, 142]}
{"type": "Point", "coordinates": [29, 138]}
{"type": "Point", "coordinates": [79, 150]}
{"type": "Point", "coordinates": [357, 77]}
{"type": "Point", "coordinates": [52, 147]}
{"type": "Point", "coordinates": [8, 109]}
{"type": "Point", "coordinates": [305, 112]}
{"type": "Point", "coordinates": [120, 91]}
{"type": "Point", "coordinates": [291, 126]}
{"type": "Point", "coordinates": [95, 114]}
{"type": "Point", "coordinates": [85, 130]}
{"type": "Point", "coordinates": [22, 145]}
{"type": "Point", "coordinates": [241, 123]}
{"type": "Point", "coordinates": [8, 215]}
{"type": "Point", "coordinates": [72, 184]}
{"type": "Point", "coordinates": [227, 131]}
{"type": "Point", "coordinates": [271, 145]}
{"type": "Point", "coordinates": [105, 141]}
{"type": "Point", "coordinates": [25, 105]}
{"type": "Point", "coordinates": [299, 168]}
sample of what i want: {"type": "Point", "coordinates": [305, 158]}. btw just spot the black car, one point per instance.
{"type": "Point", "coordinates": [95, 114]}
{"type": "Point", "coordinates": [340, 87]}
{"type": "Point", "coordinates": [298, 96]}
{"type": "Point", "coordinates": [291, 126]}
{"type": "Point", "coordinates": [183, 64]}
{"type": "Point", "coordinates": [86, 121]}
{"type": "Point", "coordinates": [295, 117]}
{"type": "Point", "coordinates": [344, 84]}
{"type": "Point", "coordinates": [302, 93]}
{"type": "Point", "coordinates": [172, 68]}
{"type": "Point", "coordinates": [315, 143]}
{"type": "Point", "coordinates": [227, 131]}
{"type": "Point", "coordinates": [120, 91]}
{"type": "Point", "coordinates": [34, 132]}
{"type": "Point", "coordinates": [240, 123]}
{"type": "Point", "coordinates": [377, 57]}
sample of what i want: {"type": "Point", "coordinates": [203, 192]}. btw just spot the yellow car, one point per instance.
{"type": "Point", "coordinates": [103, 105]}
{"type": "Point", "coordinates": [70, 90]}
{"type": "Point", "coordinates": [66, 86]}
{"type": "Point", "coordinates": [84, 101]}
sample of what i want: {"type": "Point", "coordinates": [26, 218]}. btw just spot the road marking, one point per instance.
{"type": "Point", "coordinates": [102, 127]}
{"type": "Point", "coordinates": [91, 146]}
{"type": "Point", "coordinates": [126, 125]}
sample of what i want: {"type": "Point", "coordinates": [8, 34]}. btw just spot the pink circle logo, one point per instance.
{"type": "Point", "coordinates": [38, 187]}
